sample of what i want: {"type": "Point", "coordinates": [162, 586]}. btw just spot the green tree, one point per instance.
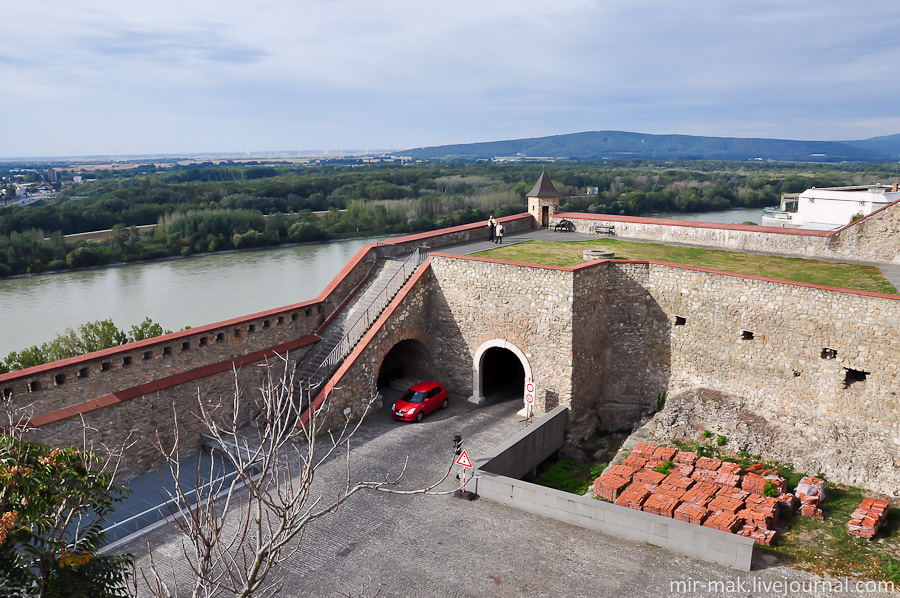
{"type": "Point", "coordinates": [52, 508]}
{"type": "Point", "coordinates": [146, 329]}
{"type": "Point", "coordinates": [90, 337]}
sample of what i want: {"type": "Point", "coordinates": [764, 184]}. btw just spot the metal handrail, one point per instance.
{"type": "Point", "coordinates": [365, 321]}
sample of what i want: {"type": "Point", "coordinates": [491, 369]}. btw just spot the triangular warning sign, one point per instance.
{"type": "Point", "coordinates": [464, 460]}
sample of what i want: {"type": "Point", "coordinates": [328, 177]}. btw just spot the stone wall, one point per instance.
{"type": "Point", "coordinates": [872, 239]}
{"type": "Point", "coordinates": [822, 362]}
{"type": "Point", "coordinates": [476, 301]}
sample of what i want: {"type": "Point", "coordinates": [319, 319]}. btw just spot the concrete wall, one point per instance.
{"type": "Point", "coordinates": [493, 482]}
{"type": "Point", "coordinates": [524, 451]}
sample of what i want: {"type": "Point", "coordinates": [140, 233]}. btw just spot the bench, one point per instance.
{"type": "Point", "coordinates": [603, 229]}
{"type": "Point", "coordinates": [564, 225]}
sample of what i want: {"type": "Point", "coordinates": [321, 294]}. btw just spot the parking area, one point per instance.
{"type": "Point", "coordinates": [415, 545]}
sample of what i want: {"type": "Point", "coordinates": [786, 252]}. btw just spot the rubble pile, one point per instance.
{"type": "Point", "coordinates": [871, 515]}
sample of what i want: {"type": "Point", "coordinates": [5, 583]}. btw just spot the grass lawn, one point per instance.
{"type": "Point", "coordinates": [845, 276]}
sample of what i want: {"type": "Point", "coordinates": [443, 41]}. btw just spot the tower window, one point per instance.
{"type": "Point", "coordinates": [680, 321]}
{"type": "Point", "coordinates": [747, 335]}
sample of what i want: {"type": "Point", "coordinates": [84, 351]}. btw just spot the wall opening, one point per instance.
{"type": "Point", "coordinates": [407, 361]}
{"type": "Point", "coordinates": [59, 379]}
{"type": "Point", "coordinates": [680, 321]}
{"type": "Point", "coordinates": [126, 361]}
{"type": "Point", "coordinates": [855, 379]}
{"type": "Point", "coordinates": [829, 353]}
{"type": "Point", "coordinates": [746, 335]}
{"type": "Point", "coordinates": [105, 366]}
{"type": "Point", "coordinates": [502, 375]}
{"type": "Point", "coordinates": [83, 373]}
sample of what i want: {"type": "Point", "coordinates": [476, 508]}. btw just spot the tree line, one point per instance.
{"type": "Point", "coordinates": [87, 338]}
{"type": "Point", "coordinates": [221, 207]}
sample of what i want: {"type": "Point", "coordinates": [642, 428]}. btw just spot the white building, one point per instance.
{"type": "Point", "coordinates": [830, 208]}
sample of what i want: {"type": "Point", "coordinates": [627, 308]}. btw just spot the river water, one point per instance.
{"type": "Point", "coordinates": [191, 292]}
{"type": "Point", "coordinates": [175, 293]}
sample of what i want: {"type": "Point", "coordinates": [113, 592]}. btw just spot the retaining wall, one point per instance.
{"type": "Point", "coordinates": [872, 239]}
{"type": "Point", "coordinates": [677, 536]}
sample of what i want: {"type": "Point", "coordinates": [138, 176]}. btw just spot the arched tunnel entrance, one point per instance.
{"type": "Point", "coordinates": [406, 361]}
{"type": "Point", "coordinates": [499, 372]}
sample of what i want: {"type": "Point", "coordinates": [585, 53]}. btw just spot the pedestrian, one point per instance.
{"type": "Point", "coordinates": [491, 226]}
{"type": "Point", "coordinates": [499, 233]}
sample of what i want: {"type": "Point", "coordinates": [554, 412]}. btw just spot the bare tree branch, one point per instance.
{"type": "Point", "coordinates": [237, 534]}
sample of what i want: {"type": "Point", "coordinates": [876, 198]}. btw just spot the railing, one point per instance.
{"type": "Point", "coordinates": [365, 321]}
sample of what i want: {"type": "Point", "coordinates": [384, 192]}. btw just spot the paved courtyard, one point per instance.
{"type": "Point", "coordinates": [442, 546]}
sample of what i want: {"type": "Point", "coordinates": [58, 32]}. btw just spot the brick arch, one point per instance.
{"type": "Point", "coordinates": [477, 396]}
{"type": "Point", "coordinates": [404, 334]}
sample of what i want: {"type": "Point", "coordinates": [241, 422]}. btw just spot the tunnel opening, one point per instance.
{"type": "Point", "coordinates": [406, 363]}
{"type": "Point", "coordinates": [503, 376]}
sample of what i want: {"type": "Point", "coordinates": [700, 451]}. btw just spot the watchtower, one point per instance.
{"type": "Point", "coordinates": [543, 200]}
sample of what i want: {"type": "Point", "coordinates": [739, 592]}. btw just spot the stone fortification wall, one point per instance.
{"type": "Point", "coordinates": [741, 237]}
{"type": "Point", "coordinates": [820, 364]}
{"type": "Point", "coordinates": [873, 238]}
{"type": "Point", "coordinates": [134, 387]}
{"type": "Point", "coordinates": [456, 234]}
{"type": "Point", "coordinates": [353, 384]}
{"type": "Point", "coordinates": [476, 301]}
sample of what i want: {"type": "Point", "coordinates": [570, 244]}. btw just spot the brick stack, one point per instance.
{"type": "Point", "coordinates": [623, 471]}
{"type": "Point", "coordinates": [609, 485]}
{"type": "Point", "coordinates": [661, 504]}
{"type": "Point", "coordinates": [724, 521]}
{"type": "Point", "coordinates": [703, 491]}
{"type": "Point", "coordinates": [760, 534]}
{"type": "Point", "coordinates": [787, 501]}
{"type": "Point", "coordinates": [760, 510]}
{"type": "Point", "coordinates": [684, 463]}
{"type": "Point", "coordinates": [724, 504]}
{"type": "Point", "coordinates": [811, 492]}
{"type": "Point", "coordinates": [648, 477]}
{"type": "Point", "coordinates": [865, 521]}
{"type": "Point", "coordinates": [633, 498]}
{"type": "Point", "coordinates": [690, 512]}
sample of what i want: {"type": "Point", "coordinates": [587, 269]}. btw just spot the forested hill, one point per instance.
{"type": "Point", "coordinates": [595, 145]}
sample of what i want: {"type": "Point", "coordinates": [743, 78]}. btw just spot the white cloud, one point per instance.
{"type": "Point", "coordinates": [173, 76]}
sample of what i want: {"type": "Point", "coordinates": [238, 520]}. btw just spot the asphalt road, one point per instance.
{"type": "Point", "coordinates": [423, 546]}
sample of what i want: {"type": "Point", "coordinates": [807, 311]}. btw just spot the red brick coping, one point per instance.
{"type": "Point", "coordinates": [166, 383]}
{"type": "Point", "coordinates": [594, 263]}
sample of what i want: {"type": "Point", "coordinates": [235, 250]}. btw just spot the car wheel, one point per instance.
{"type": "Point", "coordinates": [419, 416]}
{"type": "Point", "coordinates": [446, 404]}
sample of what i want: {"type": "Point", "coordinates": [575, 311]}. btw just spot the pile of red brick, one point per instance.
{"type": "Point", "coordinates": [811, 492]}
{"type": "Point", "coordinates": [865, 521]}
{"type": "Point", "coordinates": [703, 491]}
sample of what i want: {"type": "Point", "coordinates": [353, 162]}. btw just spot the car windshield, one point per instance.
{"type": "Point", "coordinates": [413, 397]}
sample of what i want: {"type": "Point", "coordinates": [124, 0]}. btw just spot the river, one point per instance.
{"type": "Point", "coordinates": [175, 293]}
{"type": "Point", "coordinates": [191, 292]}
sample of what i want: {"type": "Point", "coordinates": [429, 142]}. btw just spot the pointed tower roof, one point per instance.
{"type": "Point", "coordinates": [544, 188]}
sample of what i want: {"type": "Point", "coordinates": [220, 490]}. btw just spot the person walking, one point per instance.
{"type": "Point", "coordinates": [499, 232]}
{"type": "Point", "coordinates": [491, 228]}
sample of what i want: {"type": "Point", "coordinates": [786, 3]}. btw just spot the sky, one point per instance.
{"type": "Point", "coordinates": [120, 77]}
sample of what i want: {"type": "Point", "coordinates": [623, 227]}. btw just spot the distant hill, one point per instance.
{"type": "Point", "coordinates": [594, 145]}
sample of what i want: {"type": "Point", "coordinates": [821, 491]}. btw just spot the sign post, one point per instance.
{"type": "Point", "coordinates": [463, 461]}
{"type": "Point", "coordinates": [530, 393]}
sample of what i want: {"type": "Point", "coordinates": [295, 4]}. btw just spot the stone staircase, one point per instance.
{"type": "Point", "coordinates": [345, 331]}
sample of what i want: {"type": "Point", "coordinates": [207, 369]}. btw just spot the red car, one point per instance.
{"type": "Point", "coordinates": [420, 400]}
